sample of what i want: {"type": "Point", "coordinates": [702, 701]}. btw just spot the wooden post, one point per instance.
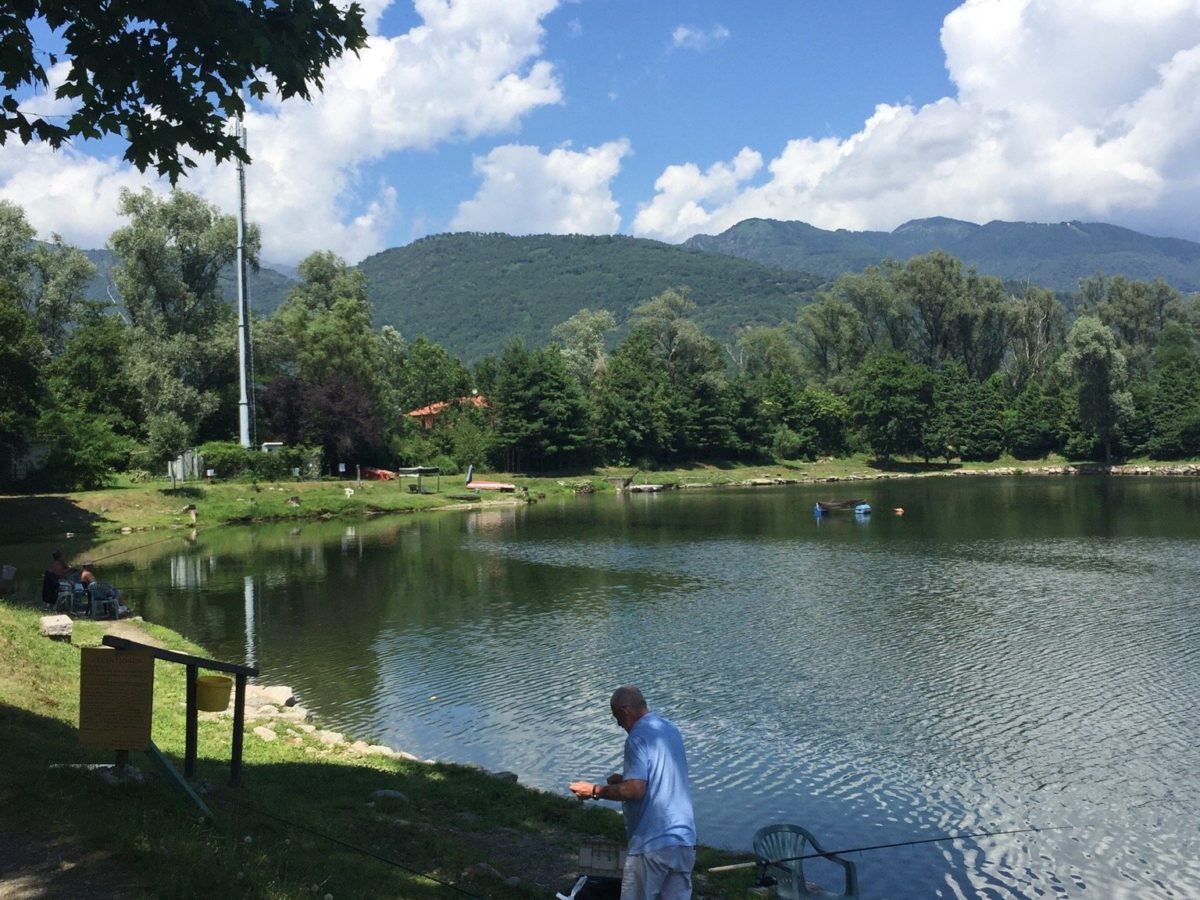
{"type": "Point", "coordinates": [191, 729]}
{"type": "Point", "coordinates": [192, 665]}
{"type": "Point", "coordinates": [239, 724]}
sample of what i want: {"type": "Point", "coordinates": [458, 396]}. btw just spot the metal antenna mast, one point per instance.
{"type": "Point", "coordinates": [243, 301]}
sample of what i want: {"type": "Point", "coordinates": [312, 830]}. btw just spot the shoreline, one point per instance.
{"type": "Point", "coordinates": [102, 517]}
{"type": "Point", "coordinates": [1116, 470]}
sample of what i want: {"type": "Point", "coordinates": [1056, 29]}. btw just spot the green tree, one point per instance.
{"type": "Point", "coordinates": [765, 352]}
{"type": "Point", "coordinates": [632, 405]}
{"type": "Point", "coordinates": [61, 276]}
{"type": "Point", "coordinates": [831, 336]}
{"type": "Point", "coordinates": [91, 375]}
{"type": "Point", "coordinates": [984, 326]}
{"type": "Point", "coordinates": [1039, 334]}
{"type": "Point", "coordinates": [681, 347]}
{"type": "Point", "coordinates": [983, 434]}
{"type": "Point", "coordinates": [430, 374]}
{"type": "Point", "coordinates": [167, 76]}
{"type": "Point", "coordinates": [16, 236]}
{"type": "Point", "coordinates": [183, 337]}
{"type": "Point", "coordinates": [1031, 429]}
{"type": "Point", "coordinates": [890, 402]}
{"type": "Point", "coordinates": [1099, 375]}
{"type": "Point", "coordinates": [170, 256]}
{"type": "Point", "coordinates": [167, 436]}
{"type": "Point", "coordinates": [685, 372]}
{"type": "Point", "coordinates": [331, 374]}
{"type": "Point", "coordinates": [933, 287]}
{"type": "Point", "coordinates": [1136, 312]}
{"type": "Point", "coordinates": [967, 416]}
{"type": "Point", "coordinates": [582, 339]}
{"type": "Point", "coordinates": [49, 279]}
{"type": "Point", "coordinates": [542, 417]}
{"type": "Point", "coordinates": [93, 415]}
{"type": "Point", "coordinates": [943, 433]}
{"type": "Point", "coordinates": [324, 328]}
{"type": "Point", "coordinates": [1174, 403]}
{"type": "Point", "coordinates": [887, 321]}
{"type": "Point", "coordinates": [819, 420]}
{"type": "Point", "coordinates": [20, 378]}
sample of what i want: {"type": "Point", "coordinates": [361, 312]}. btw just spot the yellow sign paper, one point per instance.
{"type": "Point", "coordinates": [116, 699]}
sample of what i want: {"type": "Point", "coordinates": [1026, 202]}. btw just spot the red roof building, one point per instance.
{"type": "Point", "coordinates": [428, 414]}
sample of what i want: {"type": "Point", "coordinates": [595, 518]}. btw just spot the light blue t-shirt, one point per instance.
{"type": "Point", "coordinates": [663, 817]}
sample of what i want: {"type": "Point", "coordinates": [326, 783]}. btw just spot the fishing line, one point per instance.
{"type": "Point", "coordinates": [347, 845]}
{"type": "Point", "coordinates": [947, 837]}
{"type": "Point", "coordinates": [138, 547]}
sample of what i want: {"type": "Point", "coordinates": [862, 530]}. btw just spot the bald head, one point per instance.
{"type": "Point", "coordinates": [627, 705]}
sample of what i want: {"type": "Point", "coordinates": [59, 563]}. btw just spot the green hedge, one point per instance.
{"type": "Point", "coordinates": [233, 462]}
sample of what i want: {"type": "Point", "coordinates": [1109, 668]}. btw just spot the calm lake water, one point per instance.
{"type": "Point", "coordinates": [1009, 654]}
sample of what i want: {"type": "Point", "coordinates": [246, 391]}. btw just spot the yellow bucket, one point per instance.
{"type": "Point", "coordinates": [212, 692]}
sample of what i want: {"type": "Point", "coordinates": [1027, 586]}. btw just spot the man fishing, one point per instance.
{"type": "Point", "coordinates": [653, 788]}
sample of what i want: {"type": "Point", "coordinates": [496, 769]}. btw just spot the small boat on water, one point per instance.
{"type": "Point", "coordinates": [828, 506]}
{"type": "Point", "coordinates": [860, 508]}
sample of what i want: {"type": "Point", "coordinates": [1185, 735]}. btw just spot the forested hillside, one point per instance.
{"type": "Point", "coordinates": [474, 293]}
{"type": "Point", "coordinates": [1053, 256]}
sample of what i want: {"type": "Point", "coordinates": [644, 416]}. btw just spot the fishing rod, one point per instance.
{"type": "Point", "coordinates": [828, 853]}
{"type": "Point", "coordinates": [138, 547]}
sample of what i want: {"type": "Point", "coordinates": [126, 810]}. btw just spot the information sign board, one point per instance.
{"type": "Point", "coordinates": [116, 699]}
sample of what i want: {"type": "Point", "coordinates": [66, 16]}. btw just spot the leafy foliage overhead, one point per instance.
{"type": "Point", "coordinates": [1053, 256]}
{"type": "Point", "coordinates": [473, 293]}
{"type": "Point", "coordinates": [166, 75]}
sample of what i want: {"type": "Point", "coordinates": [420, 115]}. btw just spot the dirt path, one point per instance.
{"type": "Point", "coordinates": [36, 869]}
{"type": "Point", "coordinates": [131, 632]}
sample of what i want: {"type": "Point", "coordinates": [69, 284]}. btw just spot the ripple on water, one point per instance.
{"type": "Point", "coordinates": [877, 683]}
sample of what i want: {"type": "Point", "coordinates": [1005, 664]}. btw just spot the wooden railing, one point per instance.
{"type": "Point", "coordinates": [194, 664]}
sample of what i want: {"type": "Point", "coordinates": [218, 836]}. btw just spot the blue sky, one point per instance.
{"type": "Point", "coordinates": [664, 120]}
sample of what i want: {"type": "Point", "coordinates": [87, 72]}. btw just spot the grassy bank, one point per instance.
{"type": "Point", "coordinates": [302, 824]}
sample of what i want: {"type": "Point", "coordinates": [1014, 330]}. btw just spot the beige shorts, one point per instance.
{"type": "Point", "coordinates": [664, 874]}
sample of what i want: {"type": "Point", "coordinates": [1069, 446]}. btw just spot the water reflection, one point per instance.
{"type": "Point", "coordinates": [1010, 653]}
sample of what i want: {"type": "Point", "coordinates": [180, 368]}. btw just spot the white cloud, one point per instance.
{"type": "Point", "coordinates": [561, 192]}
{"type": "Point", "coordinates": [66, 192]}
{"type": "Point", "coordinates": [1064, 108]}
{"type": "Point", "coordinates": [682, 190]}
{"type": "Point", "coordinates": [471, 68]}
{"type": "Point", "coordinates": [690, 37]}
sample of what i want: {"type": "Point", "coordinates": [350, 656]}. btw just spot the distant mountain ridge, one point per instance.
{"type": "Point", "coordinates": [1055, 256]}
{"type": "Point", "coordinates": [474, 293]}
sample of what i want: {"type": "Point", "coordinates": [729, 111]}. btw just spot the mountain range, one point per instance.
{"type": "Point", "coordinates": [1053, 256]}
{"type": "Point", "coordinates": [473, 293]}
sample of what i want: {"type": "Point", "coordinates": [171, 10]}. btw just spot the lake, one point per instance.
{"type": "Point", "coordinates": [1011, 653]}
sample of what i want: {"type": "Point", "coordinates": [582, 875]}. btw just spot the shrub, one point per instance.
{"type": "Point", "coordinates": [234, 462]}
{"type": "Point", "coordinates": [446, 464]}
